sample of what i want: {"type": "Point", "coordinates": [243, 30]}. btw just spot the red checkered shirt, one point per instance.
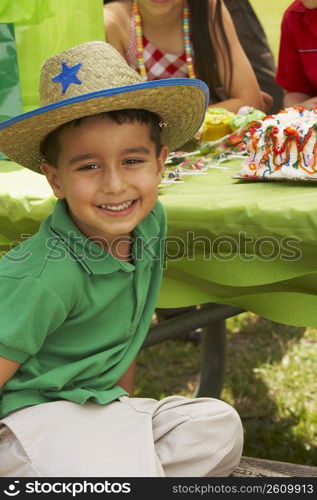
{"type": "Point", "coordinates": [158, 64]}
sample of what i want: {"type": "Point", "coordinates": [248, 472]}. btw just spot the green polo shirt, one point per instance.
{"type": "Point", "coordinates": [74, 315]}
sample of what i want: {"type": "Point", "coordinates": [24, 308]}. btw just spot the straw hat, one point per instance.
{"type": "Point", "coordinates": [91, 78]}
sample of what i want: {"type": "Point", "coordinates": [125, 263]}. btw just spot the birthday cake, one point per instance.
{"type": "Point", "coordinates": [282, 146]}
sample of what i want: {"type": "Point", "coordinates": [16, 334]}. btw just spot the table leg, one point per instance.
{"type": "Point", "coordinates": [213, 360]}
{"type": "Point", "coordinates": [212, 318]}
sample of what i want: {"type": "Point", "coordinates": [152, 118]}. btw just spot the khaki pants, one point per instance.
{"type": "Point", "coordinates": [130, 437]}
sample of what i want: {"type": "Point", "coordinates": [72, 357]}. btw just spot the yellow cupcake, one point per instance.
{"type": "Point", "coordinates": [216, 124]}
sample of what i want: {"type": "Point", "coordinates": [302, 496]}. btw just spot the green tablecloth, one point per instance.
{"type": "Point", "coordinates": [250, 244]}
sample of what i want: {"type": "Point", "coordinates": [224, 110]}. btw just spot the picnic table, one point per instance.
{"type": "Point", "coordinates": [245, 243]}
{"type": "Point", "coordinates": [234, 246]}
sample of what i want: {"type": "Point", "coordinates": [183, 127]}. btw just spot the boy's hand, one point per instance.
{"type": "Point", "coordinates": [127, 380]}
{"type": "Point", "coordinates": [7, 370]}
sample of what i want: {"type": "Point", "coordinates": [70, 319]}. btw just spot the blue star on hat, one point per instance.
{"type": "Point", "coordinates": [67, 76]}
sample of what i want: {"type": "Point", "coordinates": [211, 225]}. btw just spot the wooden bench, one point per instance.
{"type": "Point", "coordinates": [258, 467]}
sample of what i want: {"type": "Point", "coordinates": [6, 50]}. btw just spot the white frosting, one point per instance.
{"type": "Point", "coordinates": [290, 163]}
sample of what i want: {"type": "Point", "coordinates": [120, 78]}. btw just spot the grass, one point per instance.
{"type": "Point", "coordinates": [271, 368]}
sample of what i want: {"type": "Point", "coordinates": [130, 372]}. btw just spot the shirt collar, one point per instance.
{"type": "Point", "coordinates": [91, 256]}
{"type": "Point", "coordinates": [309, 15]}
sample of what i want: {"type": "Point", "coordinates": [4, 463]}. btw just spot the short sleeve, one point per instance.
{"type": "Point", "coordinates": [290, 71]}
{"type": "Point", "coordinates": [29, 311]}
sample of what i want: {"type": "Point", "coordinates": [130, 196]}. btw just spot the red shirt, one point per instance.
{"type": "Point", "coordinates": [297, 62]}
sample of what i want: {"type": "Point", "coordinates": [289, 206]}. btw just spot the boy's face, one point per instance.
{"type": "Point", "coordinates": [309, 4]}
{"type": "Point", "coordinates": [108, 174]}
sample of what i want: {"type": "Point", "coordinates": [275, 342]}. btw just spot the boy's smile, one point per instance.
{"type": "Point", "coordinates": [108, 174]}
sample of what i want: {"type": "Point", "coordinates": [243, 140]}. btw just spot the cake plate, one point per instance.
{"type": "Point", "coordinates": [272, 179]}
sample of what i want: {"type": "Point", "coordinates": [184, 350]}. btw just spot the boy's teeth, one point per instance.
{"type": "Point", "coordinates": [117, 208]}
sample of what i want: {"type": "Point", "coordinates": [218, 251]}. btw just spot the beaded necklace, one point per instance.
{"type": "Point", "coordinates": [139, 40]}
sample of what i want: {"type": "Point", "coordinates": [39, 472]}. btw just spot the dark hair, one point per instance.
{"type": "Point", "coordinates": [204, 50]}
{"type": "Point", "coordinates": [50, 147]}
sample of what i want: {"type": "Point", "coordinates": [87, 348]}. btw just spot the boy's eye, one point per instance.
{"type": "Point", "coordinates": [133, 161]}
{"type": "Point", "coordinates": [92, 166]}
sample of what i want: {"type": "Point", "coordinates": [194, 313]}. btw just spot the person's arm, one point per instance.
{"type": "Point", "coordinates": [244, 89]}
{"type": "Point", "coordinates": [127, 379]}
{"type": "Point", "coordinates": [299, 99]}
{"type": "Point", "coordinates": [291, 74]}
{"type": "Point", "coordinates": [254, 42]}
{"type": "Point", "coordinates": [7, 370]}
{"type": "Point", "coordinates": [116, 23]}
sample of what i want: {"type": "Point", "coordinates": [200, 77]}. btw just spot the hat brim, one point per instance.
{"type": "Point", "coordinates": [180, 102]}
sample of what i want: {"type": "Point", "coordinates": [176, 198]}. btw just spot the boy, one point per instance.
{"type": "Point", "coordinates": [296, 72]}
{"type": "Point", "coordinates": [67, 348]}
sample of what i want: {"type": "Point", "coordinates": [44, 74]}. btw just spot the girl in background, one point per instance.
{"type": "Point", "coordinates": [185, 38]}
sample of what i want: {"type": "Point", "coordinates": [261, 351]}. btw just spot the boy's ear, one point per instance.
{"type": "Point", "coordinates": [51, 174]}
{"type": "Point", "coordinates": [162, 159]}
